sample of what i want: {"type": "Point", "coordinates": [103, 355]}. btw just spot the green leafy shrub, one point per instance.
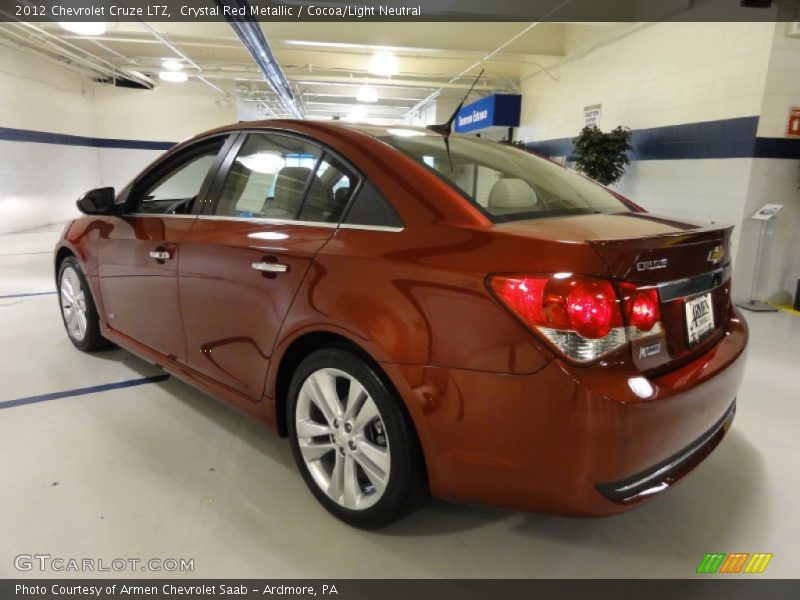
{"type": "Point", "coordinates": [602, 156]}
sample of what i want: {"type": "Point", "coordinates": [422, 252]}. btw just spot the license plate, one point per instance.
{"type": "Point", "coordinates": [699, 318]}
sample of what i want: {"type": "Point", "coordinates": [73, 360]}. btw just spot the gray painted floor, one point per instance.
{"type": "Point", "coordinates": [164, 471]}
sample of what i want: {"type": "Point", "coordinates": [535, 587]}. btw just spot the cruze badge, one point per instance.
{"type": "Point", "coordinates": [716, 255]}
{"type": "Point", "coordinates": [650, 265]}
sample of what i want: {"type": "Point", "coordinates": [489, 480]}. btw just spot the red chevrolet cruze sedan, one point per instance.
{"type": "Point", "coordinates": [477, 322]}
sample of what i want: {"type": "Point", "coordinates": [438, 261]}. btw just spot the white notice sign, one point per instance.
{"type": "Point", "coordinates": [591, 115]}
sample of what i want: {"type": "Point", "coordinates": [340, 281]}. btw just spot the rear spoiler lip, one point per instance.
{"type": "Point", "coordinates": [649, 242]}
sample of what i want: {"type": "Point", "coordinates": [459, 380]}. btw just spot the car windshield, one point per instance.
{"type": "Point", "coordinates": [507, 183]}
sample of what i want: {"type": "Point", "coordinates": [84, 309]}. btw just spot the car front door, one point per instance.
{"type": "Point", "coordinates": [140, 251]}
{"type": "Point", "coordinates": [277, 202]}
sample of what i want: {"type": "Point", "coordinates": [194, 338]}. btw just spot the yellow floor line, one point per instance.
{"type": "Point", "coordinates": [786, 308]}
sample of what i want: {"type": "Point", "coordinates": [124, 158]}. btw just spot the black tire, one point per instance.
{"type": "Point", "coordinates": [407, 487]}
{"type": "Point", "coordinates": [92, 339]}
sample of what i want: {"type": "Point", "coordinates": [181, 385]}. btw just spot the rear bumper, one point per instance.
{"type": "Point", "coordinates": [568, 440]}
{"type": "Point", "coordinates": [657, 478]}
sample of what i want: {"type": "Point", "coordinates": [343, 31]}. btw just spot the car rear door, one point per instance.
{"type": "Point", "coordinates": [140, 250]}
{"type": "Point", "coordinates": [277, 201]}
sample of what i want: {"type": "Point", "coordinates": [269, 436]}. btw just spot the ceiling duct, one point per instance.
{"type": "Point", "coordinates": [252, 37]}
{"type": "Point", "coordinates": [124, 83]}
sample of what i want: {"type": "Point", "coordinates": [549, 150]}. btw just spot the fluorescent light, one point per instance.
{"type": "Point", "coordinates": [384, 63]}
{"type": "Point", "coordinates": [81, 28]}
{"type": "Point", "coordinates": [367, 93]}
{"type": "Point", "coordinates": [173, 76]}
{"type": "Point", "coordinates": [171, 64]}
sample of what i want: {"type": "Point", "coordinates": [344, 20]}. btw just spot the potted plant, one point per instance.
{"type": "Point", "coordinates": [602, 156]}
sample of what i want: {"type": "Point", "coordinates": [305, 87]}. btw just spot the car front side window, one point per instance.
{"type": "Point", "coordinates": [172, 188]}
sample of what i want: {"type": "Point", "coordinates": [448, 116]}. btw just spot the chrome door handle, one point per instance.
{"type": "Point", "coordinates": [270, 267]}
{"type": "Point", "coordinates": [160, 254]}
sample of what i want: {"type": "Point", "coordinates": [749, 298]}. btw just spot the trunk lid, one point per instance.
{"type": "Point", "coordinates": [688, 262]}
{"type": "Point", "coordinates": [670, 251]}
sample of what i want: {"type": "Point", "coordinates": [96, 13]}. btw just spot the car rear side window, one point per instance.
{"type": "Point", "coordinates": [282, 177]}
{"type": "Point", "coordinates": [370, 208]}
{"type": "Point", "coordinates": [268, 178]}
{"type": "Point", "coordinates": [328, 192]}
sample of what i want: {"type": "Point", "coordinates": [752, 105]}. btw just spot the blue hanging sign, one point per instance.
{"type": "Point", "coordinates": [497, 110]}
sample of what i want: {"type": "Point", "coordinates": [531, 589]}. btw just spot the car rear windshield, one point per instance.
{"type": "Point", "coordinates": [506, 183]}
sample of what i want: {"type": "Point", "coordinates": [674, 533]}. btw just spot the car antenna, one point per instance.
{"type": "Point", "coordinates": [446, 128]}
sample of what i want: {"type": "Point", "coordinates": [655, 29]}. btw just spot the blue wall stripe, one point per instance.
{"type": "Point", "coordinates": [726, 138]}
{"type": "Point", "coordinates": [26, 295]}
{"type": "Point", "coordinates": [777, 148]}
{"type": "Point", "coordinates": [44, 137]}
{"type": "Point", "coordinates": [83, 391]}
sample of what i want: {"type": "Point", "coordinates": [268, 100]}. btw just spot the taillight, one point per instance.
{"type": "Point", "coordinates": [591, 307]}
{"type": "Point", "coordinates": [580, 315]}
{"type": "Point", "coordinates": [642, 306]}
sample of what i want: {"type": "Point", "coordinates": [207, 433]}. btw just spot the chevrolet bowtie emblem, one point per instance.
{"type": "Point", "coordinates": [716, 255]}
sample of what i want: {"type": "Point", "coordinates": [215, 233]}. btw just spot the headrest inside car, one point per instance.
{"type": "Point", "coordinates": [289, 186]}
{"type": "Point", "coordinates": [510, 195]}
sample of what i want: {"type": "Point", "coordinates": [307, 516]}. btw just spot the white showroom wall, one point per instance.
{"type": "Point", "coordinates": [62, 134]}
{"type": "Point", "coordinates": [40, 181]}
{"type": "Point", "coordinates": [692, 93]}
{"type": "Point", "coordinates": [169, 113]}
{"type": "Point", "coordinates": [777, 181]}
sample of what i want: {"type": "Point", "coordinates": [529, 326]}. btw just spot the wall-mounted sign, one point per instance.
{"type": "Point", "coordinates": [497, 110]}
{"type": "Point", "coordinates": [591, 115]}
{"type": "Point", "coordinates": [793, 124]}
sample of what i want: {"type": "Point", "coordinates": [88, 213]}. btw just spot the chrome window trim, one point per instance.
{"type": "Point", "coordinates": [691, 286]}
{"type": "Point", "coordinates": [268, 221]}
{"type": "Point", "coordinates": [159, 216]}
{"type": "Point", "coordinates": [385, 228]}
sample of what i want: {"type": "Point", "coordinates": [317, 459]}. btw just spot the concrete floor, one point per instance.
{"type": "Point", "coordinates": [162, 470]}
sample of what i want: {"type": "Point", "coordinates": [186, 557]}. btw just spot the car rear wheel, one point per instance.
{"type": "Point", "coordinates": [354, 444]}
{"type": "Point", "coordinates": [78, 309]}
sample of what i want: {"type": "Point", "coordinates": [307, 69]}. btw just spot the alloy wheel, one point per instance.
{"type": "Point", "coordinates": [73, 304]}
{"type": "Point", "coordinates": [342, 439]}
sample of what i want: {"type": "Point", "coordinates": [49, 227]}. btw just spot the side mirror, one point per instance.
{"type": "Point", "coordinates": [99, 201]}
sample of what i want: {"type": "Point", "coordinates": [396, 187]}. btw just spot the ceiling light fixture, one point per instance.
{"type": "Point", "coordinates": [171, 64]}
{"type": "Point", "coordinates": [173, 76]}
{"type": "Point", "coordinates": [384, 64]}
{"type": "Point", "coordinates": [367, 93]}
{"type": "Point", "coordinates": [84, 28]}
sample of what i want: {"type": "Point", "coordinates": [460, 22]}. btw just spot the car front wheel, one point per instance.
{"type": "Point", "coordinates": [78, 309]}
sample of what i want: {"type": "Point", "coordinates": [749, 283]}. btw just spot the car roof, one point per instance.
{"type": "Point", "coordinates": [332, 127]}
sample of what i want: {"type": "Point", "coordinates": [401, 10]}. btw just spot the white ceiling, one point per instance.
{"type": "Point", "coordinates": [325, 62]}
